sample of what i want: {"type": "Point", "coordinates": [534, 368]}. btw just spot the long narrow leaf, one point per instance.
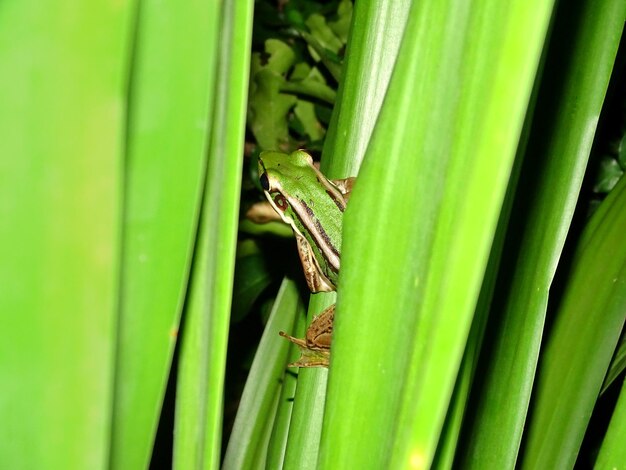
{"type": "Point", "coordinates": [174, 56]}
{"type": "Point", "coordinates": [581, 343]}
{"type": "Point", "coordinates": [613, 451]}
{"type": "Point", "coordinates": [62, 129]}
{"type": "Point", "coordinates": [263, 383]}
{"type": "Point", "coordinates": [579, 65]}
{"type": "Point", "coordinates": [280, 432]}
{"type": "Point", "coordinates": [203, 352]}
{"type": "Point", "coordinates": [372, 46]}
{"type": "Point", "coordinates": [308, 410]}
{"type": "Point", "coordinates": [371, 52]}
{"type": "Point", "coordinates": [420, 224]}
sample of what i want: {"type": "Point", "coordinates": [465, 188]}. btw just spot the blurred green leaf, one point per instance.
{"type": "Point", "coordinates": [621, 152]}
{"type": "Point", "coordinates": [251, 279]}
{"type": "Point", "coordinates": [308, 81]}
{"type": "Point", "coordinates": [610, 173]}
{"type": "Point", "coordinates": [175, 50]}
{"type": "Point", "coordinates": [341, 26]}
{"type": "Point", "coordinates": [275, 228]}
{"type": "Point", "coordinates": [331, 60]}
{"type": "Point", "coordinates": [62, 132]}
{"type": "Point", "coordinates": [267, 107]}
{"type": "Point", "coordinates": [325, 37]}
{"type": "Point", "coordinates": [305, 112]}
{"type": "Point", "coordinates": [200, 385]}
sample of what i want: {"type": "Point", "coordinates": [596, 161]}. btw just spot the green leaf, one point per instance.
{"type": "Point", "coordinates": [308, 409]}
{"type": "Point", "coordinates": [370, 56]}
{"type": "Point", "coordinates": [251, 278]}
{"type": "Point", "coordinates": [324, 45]}
{"type": "Point", "coordinates": [410, 280]}
{"type": "Point", "coordinates": [579, 347]}
{"type": "Point", "coordinates": [341, 26]}
{"type": "Point", "coordinates": [166, 143]}
{"type": "Point", "coordinates": [613, 451]}
{"type": "Point", "coordinates": [256, 408]}
{"type": "Point", "coordinates": [618, 364]}
{"type": "Point", "coordinates": [341, 159]}
{"type": "Point", "coordinates": [610, 173]}
{"type": "Point", "coordinates": [305, 112]}
{"type": "Point", "coordinates": [621, 152]}
{"type": "Point", "coordinates": [282, 422]}
{"type": "Point", "coordinates": [200, 384]}
{"type": "Point", "coordinates": [312, 84]}
{"type": "Point", "coordinates": [579, 64]}
{"type": "Point", "coordinates": [62, 127]}
{"type": "Point", "coordinates": [267, 106]}
{"type": "Point", "coordinates": [323, 34]}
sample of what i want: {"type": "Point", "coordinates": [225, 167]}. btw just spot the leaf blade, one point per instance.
{"type": "Point", "coordinates": [412, 157]}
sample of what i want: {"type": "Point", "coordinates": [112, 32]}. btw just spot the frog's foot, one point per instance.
{"type": "Point", "coordinates": [309, 356]}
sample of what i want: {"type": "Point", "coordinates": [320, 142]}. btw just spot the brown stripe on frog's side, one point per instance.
{"type": "Point", "coordinates": [334, 194]}
{"type": "Point", "coordinates": [340, 204]}
{"type": "Point", "coordinates": [318, 234]}
{"type": "Point", "coordinates": [331, 190]}
{"type": "Point", "coordinates": [327, 241]}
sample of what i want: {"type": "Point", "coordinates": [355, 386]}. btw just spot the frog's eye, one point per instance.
{"type": "Point", "coordinates": [265, 182]}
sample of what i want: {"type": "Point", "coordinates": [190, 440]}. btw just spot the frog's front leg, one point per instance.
{"type": "Point", "coordinates": [315, 278]}
{"type": "Point", "coordinates": [345, 186]}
